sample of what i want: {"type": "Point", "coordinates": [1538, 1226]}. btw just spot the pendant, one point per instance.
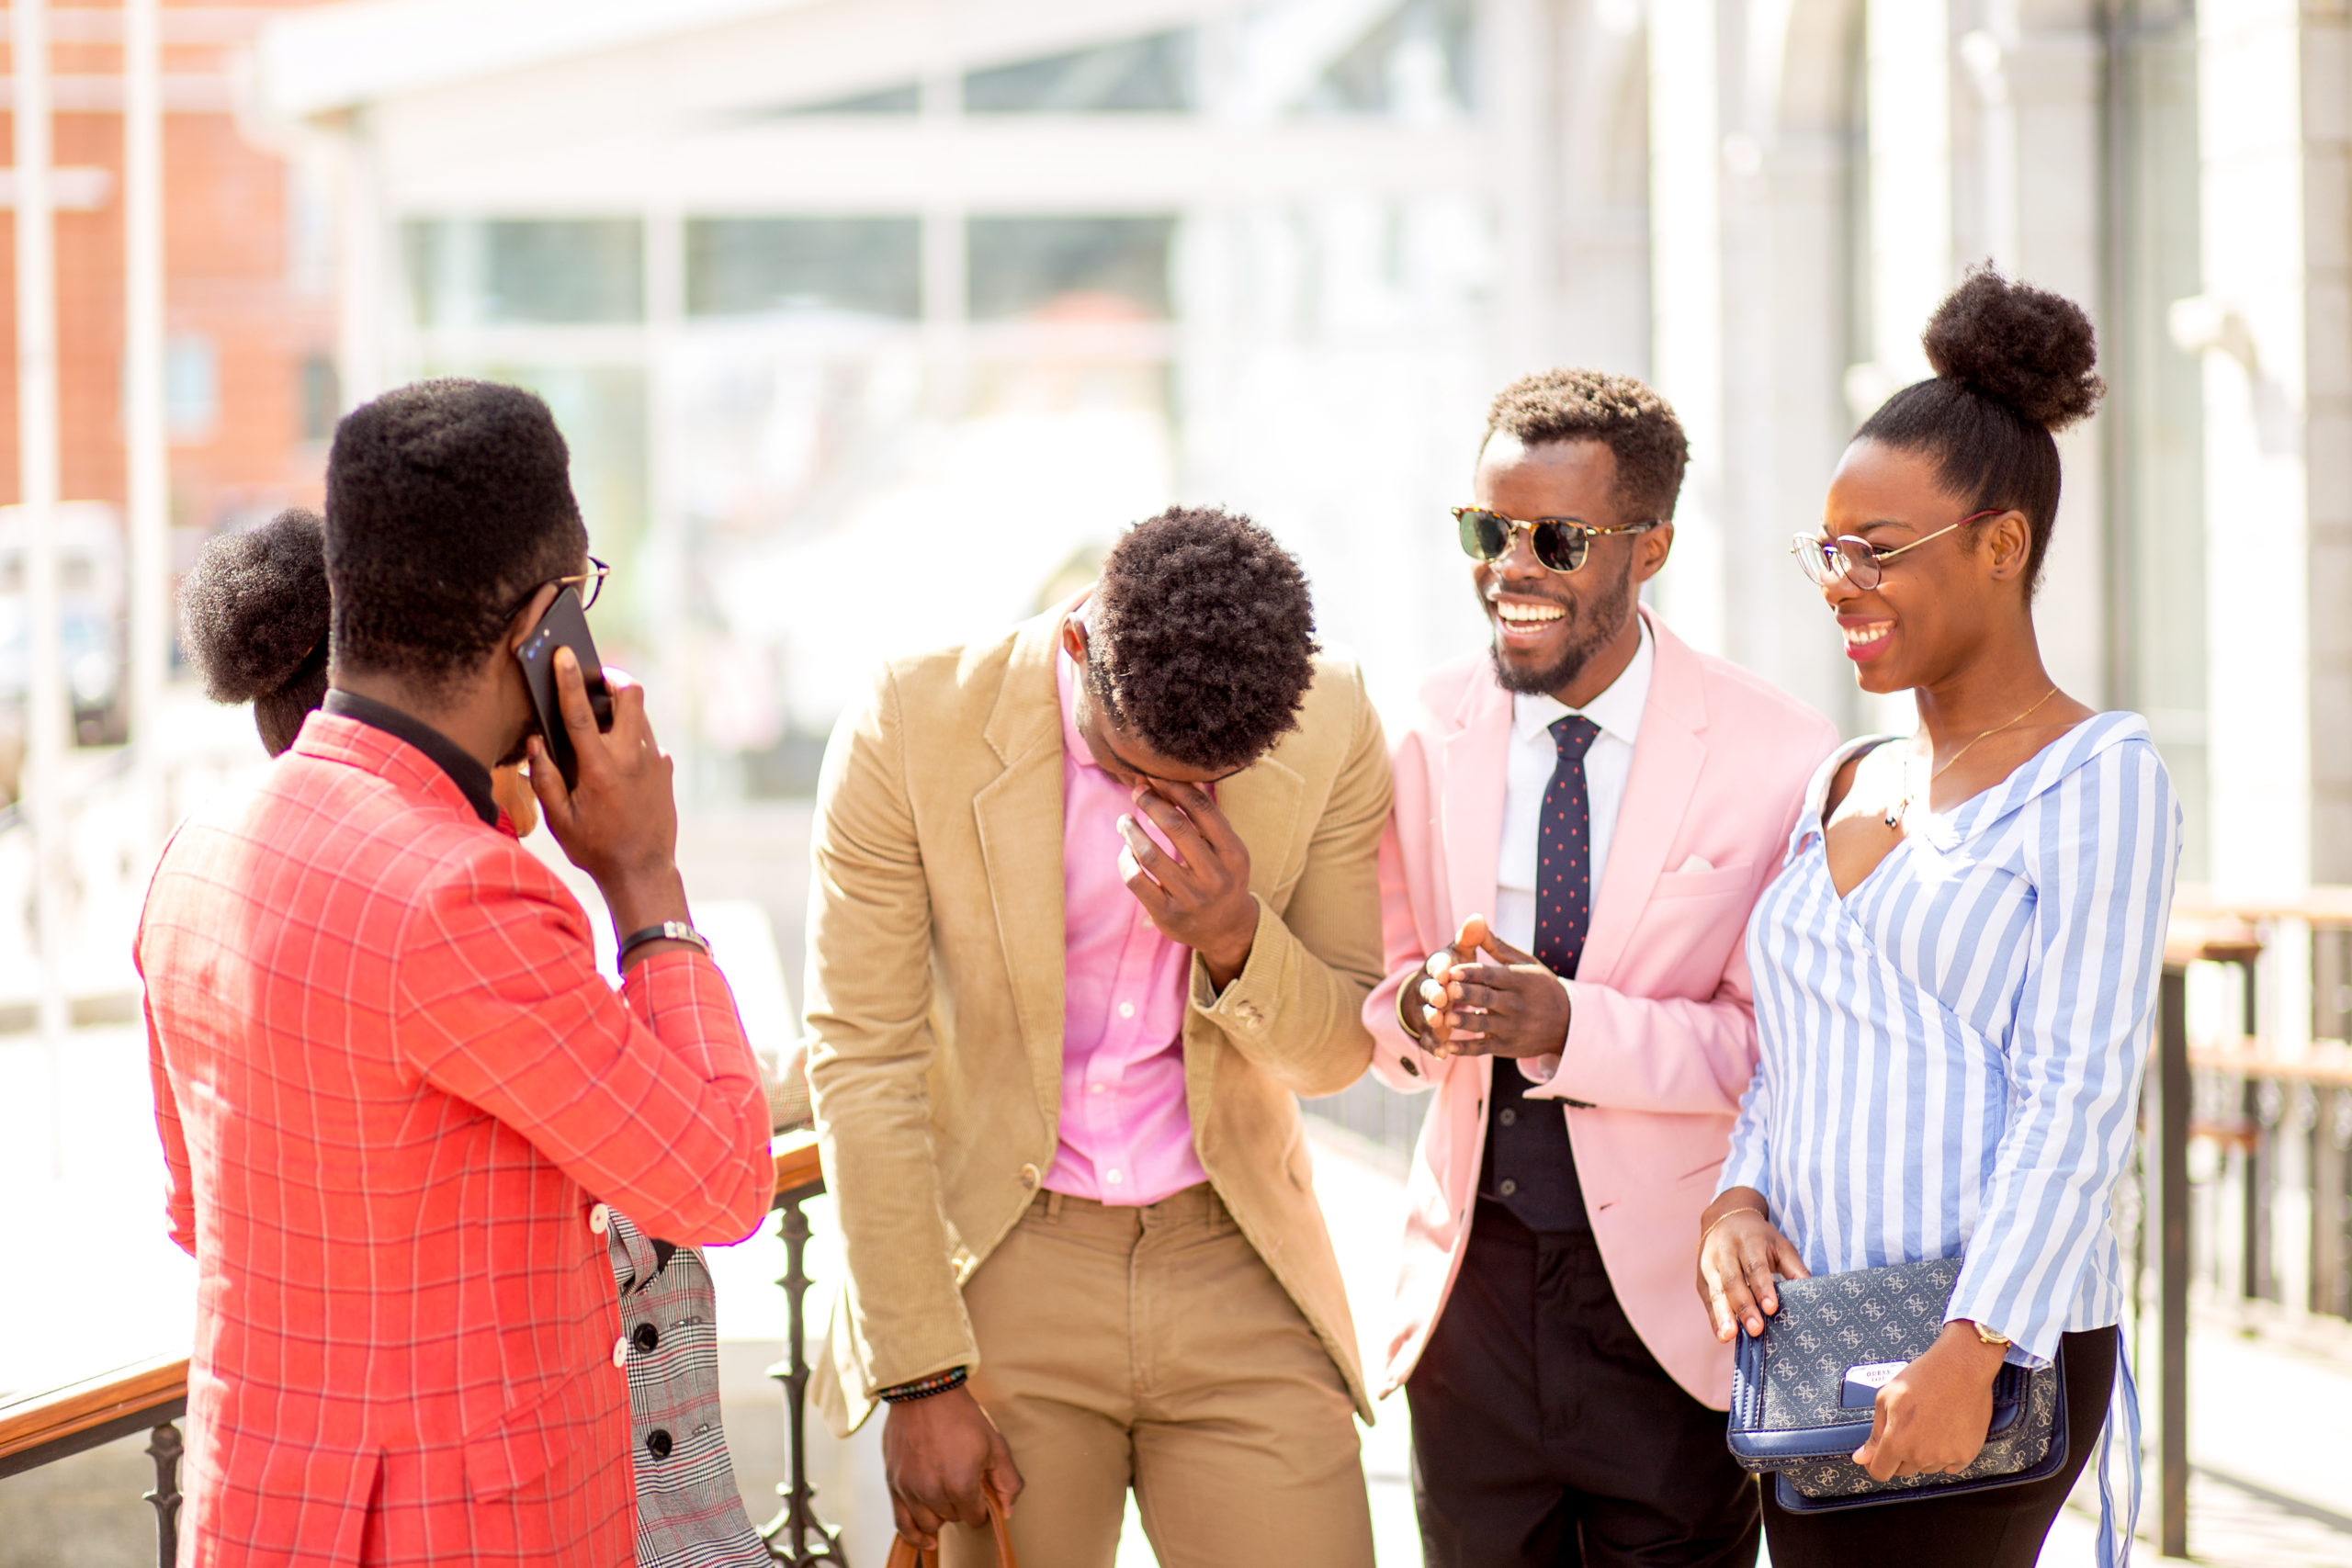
{"type": "Point", "coordinates": [1894, 817]}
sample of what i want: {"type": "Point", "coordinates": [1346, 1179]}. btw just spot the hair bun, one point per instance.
{"type": "Point", "coordinates": [255, 608]}
{"type": "Point", "coordinates": [2023, 347]}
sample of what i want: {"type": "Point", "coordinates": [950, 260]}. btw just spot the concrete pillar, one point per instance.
{"type": "Point", "coordinates": [1749, 171]}
{"type": "Point", "coordinates": [2273, 328]}
{"type": "Point", "coordinates": [2036, 72]}
{"type": "Point", "coordinates": [1687, 299]}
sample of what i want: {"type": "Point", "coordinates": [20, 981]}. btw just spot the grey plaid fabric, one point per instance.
{"type": "Point", "coordinates": [689, 1514]}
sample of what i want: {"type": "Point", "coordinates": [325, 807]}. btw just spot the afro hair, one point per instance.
{"type": "Point", "coordinates": [2014, 364]}
{"type": "Point", "coordinates": [254, 617]}
{"type": "Point", "coordinates": [1637, 426]}
{"type": "Point", "coordinates": [447, 503]}
{"type": "Point", "coordinates": [1201, 637]}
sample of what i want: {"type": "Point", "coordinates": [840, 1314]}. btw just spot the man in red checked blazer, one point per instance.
{"type": "Point", "coordinates": [394, 1092]}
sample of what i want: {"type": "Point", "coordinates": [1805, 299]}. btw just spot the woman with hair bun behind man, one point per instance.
{"type": "Point", "coordinates": [254, 618]}
{"type": "Point", "coordinates": [1956, 968]}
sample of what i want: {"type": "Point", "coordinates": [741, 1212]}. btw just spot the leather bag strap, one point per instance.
{"type": "Point", "coordinates": [905, 1554]}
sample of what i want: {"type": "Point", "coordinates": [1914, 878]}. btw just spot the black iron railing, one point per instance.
{"type": "Point", "coordinates": [150, 1396]}
{"type": "Point", "coordinates": [797, 1536]}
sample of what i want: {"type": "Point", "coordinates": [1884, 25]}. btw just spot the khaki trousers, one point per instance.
{"type": "Point", "coordinates": [1152, 1348]}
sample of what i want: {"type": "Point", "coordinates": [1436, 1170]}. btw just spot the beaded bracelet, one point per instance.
{"type": "Point", "coordinates": [924, 1388]}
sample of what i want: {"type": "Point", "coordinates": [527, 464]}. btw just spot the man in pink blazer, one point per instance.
{"type": "Point", "coordinates": [1584, 818]}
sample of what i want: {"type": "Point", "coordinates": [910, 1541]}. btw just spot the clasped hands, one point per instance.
{"type": "Point", "coordinates": [1512, 1006]}
{"type": "Point", "coordinates": [1932, 1419]}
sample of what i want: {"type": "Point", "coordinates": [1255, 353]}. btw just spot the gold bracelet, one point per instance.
{"type": "Point", "coordinates": [1404, 1024]}
{"type": "Point", "coordinates": [1727, 1214]}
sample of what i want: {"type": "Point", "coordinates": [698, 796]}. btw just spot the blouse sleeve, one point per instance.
{"type": "Point", "coordinates": [2102, 850]}
{"type": "Point", "coordinates": [1749, 1164]}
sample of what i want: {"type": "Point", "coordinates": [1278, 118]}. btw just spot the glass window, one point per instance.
{"type": "Point", "coordinates": [1144, 75]}
{"type": "Point", "coordinates": [1023, 266]}
{"type": "Point", "coordinates": [322, 395]}
{"type": "Point", "coordinates": [468, 272]}
{"type": "Point", "coordinates": [191, 386]}
{"type": "Point", "coordinates": [904, 99]}
{"type": "Point", "coordinates": [739, 266]}
{"type": "Point", "coordinates": [1414, 63]}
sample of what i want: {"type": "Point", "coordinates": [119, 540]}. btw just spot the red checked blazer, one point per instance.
{"type": "Point", "coordinates": [391, 1085]}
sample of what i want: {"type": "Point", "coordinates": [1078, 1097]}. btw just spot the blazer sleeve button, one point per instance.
{"type": "Point", "coordinates": [1030, 1177]}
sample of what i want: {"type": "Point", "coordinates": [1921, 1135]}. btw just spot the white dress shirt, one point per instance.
{"type": "Point", "coordinates": [1532, 758]}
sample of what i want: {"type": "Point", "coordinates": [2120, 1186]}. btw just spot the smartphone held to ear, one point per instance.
{"type": "Point", "coordinates": [564, 625]}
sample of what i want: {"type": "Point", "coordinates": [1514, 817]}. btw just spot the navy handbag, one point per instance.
{"type": "Point", "coordinates": [1803, 1392]}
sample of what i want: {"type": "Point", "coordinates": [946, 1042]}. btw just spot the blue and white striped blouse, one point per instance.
{"type": "Point", "coordinates": [1951, 1053]}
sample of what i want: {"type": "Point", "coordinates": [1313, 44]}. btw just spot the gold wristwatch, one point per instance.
{"type": "Point", "coordinates": [1988, 1337]}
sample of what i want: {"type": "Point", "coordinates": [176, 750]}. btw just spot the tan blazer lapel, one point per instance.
{"type": "Point", "coordinates": [1262, 802]}
{"type": "Point", "coordinates": [1019, 814]}
{"type": "Point", "coordinates": [1666, 762]}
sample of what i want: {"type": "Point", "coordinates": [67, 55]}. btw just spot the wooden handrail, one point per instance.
{"type": "Point", "coordinates": [796, 1165]}
{"type": "Point", "coordinates": [2328, 1064]}
{"type": "Point", "coordinates": [2323, 906]}
{"type": "Point", "coordinates": [39, 1421]}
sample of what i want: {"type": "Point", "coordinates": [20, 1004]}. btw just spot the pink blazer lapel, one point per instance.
{"type": "Point", "coordinates": [1666, 762]}
{"type": "Point", "coordinates": [1472, 805]}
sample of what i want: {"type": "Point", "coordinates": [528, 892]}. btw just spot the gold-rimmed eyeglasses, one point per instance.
{"type": "Point", "coordinates": [1851, 560]}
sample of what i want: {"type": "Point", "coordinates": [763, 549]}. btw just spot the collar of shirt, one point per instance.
{"type": "Point", "coordinates": [465, 769]}
{"type": "Point", "coordinates": [1618, 710]}
{"type": "Point", "coordinates": [1066, 685]}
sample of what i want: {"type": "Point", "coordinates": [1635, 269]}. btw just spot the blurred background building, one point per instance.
{"type": "Point", "coordinates": [872, 322]}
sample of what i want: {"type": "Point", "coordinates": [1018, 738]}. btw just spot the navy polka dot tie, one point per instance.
{"type": "Point", "coordinates": [1530, 1167]}
{"type": "Point", "coordinates": [1563, 855]}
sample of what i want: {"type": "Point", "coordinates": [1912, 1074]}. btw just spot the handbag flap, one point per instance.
{"type": "Point", "coordinates": [1807, 1386]}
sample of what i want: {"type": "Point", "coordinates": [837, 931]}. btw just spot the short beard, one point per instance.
{"type": "Point", "coordinates": [1600, 619]}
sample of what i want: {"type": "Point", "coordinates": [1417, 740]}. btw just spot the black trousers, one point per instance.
{"type": "Point", "coordinates": [2000, 1529]}
{"type": "Point", "coordinates": [1545, 1434]}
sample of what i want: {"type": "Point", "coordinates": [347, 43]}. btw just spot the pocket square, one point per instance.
{"type": "Point", "coordinates": [1696, 862]}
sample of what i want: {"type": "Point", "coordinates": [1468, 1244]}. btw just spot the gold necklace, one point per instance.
{"type": "Point", "coordinates": [1894, 812]}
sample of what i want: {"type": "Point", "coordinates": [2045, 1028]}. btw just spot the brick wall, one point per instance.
{"type": "Point", "coordinates": [249, 291]}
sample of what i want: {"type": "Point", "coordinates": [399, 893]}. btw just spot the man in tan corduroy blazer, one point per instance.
{"type": "Point", "coordinates": [1198, 1347]}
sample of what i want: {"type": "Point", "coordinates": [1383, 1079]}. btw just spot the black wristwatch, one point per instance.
{"type": "Point", "coordinates": [667, 930]}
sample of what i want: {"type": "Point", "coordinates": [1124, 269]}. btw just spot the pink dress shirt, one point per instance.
{"type": "Point", "coordinates": [1126, 1132]}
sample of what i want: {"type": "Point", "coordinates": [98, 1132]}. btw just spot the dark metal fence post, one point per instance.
{"type": "Point", "coordinates": [164, 1443]}
{"type": "Point", "coordinates": [2170, 1194]}
{"type": "Point", "coordinates": [789, 1535]}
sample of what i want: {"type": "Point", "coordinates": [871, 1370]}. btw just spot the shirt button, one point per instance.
{"type": "Point", "coordinates": [1094, 1087]}
{"type": "Point", "coordinates": [1508, 1187]}
{"type": "Point", "coordinates": [1113, 1176]}
{"type": "Point", "coordinates": [1126, 1009]}
{"type": "Point", "coordinates": [1506, 1117]}
{"type": "Point", "coordinates": [600, 1218]}
{"type": "Point", "coordinates": [621, 1352]}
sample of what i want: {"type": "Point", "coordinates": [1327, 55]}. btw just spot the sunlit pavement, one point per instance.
{"type": "Point", "coordinates": [82, 1178]}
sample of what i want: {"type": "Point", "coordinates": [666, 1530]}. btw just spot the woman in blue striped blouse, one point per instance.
{"type": "Point", "coordinates": [1956, 969]}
